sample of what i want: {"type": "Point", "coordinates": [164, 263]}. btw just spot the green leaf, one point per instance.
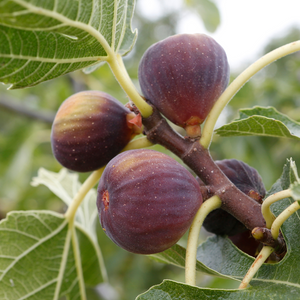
{"type": "Point", "coordinates": [41, 40]}
{"type": "Point", "coordinates": [219, 254]}
{"type": "Point", "coordinates": [172, 290]}
{"type": "Point", "coordinates": [65, 185]}
{"type": "Point", "coordinates": [295, 189]}
{"type": "Point", "coordinates": [176, 256]}
{"type": "Point", "coordinates": [261, 121]}
{"type": "Point", "coordinates": [38, 260]}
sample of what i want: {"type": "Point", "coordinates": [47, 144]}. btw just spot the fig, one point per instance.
{"type": "Point", "coordinates": [246, 179]}
{"type": "Point", "coordinates": [183, 76]}
{"type": "Point", "coordinates": [246, 242]}
{"type": "Point", "coordinates": [146, 201]}
{"type": "Point", "coordinates": [89, 129]}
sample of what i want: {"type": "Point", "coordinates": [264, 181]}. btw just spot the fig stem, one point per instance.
{"type": "Point", "coordinates": [265, 207]}
{"type": "Point", "coordinates": [90, 182]}
{"type": "Point", "coordinates": [116, 64]}
{"type": "Point", "coordinates": [265, 252]}
{"type": "Point", "coordinates": [138, 143]}
{"type": "Point", "coordinates": [235, 86]}
{"type": "Point", "coordinates": [192, 243]}
{"type": "Point", "coordinates": [282, 218]}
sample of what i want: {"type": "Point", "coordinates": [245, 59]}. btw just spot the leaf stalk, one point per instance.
{"type": "Point", "coordinates": [192, 244]}
{"type": "Point", "coordinates": [283, 217]}
{"type": "Point", "coordinates": [116, 64]}
{"type": "Point", "coordinates": [84, 189]}
{"type": "Point", "coordinates": [77, 258]}
{"type": "Point", "coordinates": [236, 85]}
{"type": "Point", "coordinates": [265, 208]}
{"type": "Point", "coordinates": [265, 252]}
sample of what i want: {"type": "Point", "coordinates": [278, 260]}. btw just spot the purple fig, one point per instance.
{"type": "Point", "coordinates": [146, 201]}
{"type": "Point", "coordinates": [183, 76]}
{"type": "Point", "coordinates": [246, 179]}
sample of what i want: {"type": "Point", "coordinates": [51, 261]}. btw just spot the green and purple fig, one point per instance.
{"type": "Point", "coordinates": [183, 76]}
{"type": "Point", "coordinates": [89, 129]}
{"type": "Point", "coordinates": [146, 201]}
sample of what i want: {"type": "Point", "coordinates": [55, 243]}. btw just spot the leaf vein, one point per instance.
{"type": "Point", "coordinates": [46, 238]}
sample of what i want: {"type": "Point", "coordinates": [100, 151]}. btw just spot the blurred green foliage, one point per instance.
{"type": "Point", "coordinates": [25, 140]}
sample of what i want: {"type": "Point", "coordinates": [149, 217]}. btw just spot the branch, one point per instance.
{"type": "Point", "coordinates": [193, 154]}
{"type": "Point", "coordinates": [241, 206]}
{"type": "Point", "coordinates": [25, 111]}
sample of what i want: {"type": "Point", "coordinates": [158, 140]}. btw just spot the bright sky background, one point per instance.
{"type": "Point", "coordinates": [246, 26]}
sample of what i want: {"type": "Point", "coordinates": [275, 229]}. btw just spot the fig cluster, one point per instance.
{"type": "Point", "coordinates": [146, 201]}
{"type": "Point", "coordinates": [183, 76]}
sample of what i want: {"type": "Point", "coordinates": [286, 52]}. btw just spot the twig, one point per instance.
{"type": "Point", "coordinates": [25, 111]}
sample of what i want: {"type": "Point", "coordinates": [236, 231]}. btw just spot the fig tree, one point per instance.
{"type": "Point", "coordinates": [146, 201]}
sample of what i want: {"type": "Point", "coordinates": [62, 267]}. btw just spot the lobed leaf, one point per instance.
{"type": "Point", "coordinates": [261, 121]}
{"type": "Point", "coordinates": [37, 257]}
{"type": "Point", "coordinates": [171, 290]}
{"type": "Point", "coordinates": [41, 40]}
{"type": "Point", "coordinates": [176, 256]}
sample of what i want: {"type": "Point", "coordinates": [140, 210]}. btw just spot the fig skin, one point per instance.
{"type": "Point", "coordinates": [246, 242]}
{"type": "Point", "coordinates": [183, 76]}
{"type": "Point", "coordinates": [89, 129]}
{"type": "Point", "coordinates": [146, 201]}
{"type": "Point", "coordinates": [246, 179]}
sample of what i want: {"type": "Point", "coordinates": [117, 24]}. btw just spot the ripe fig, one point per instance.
{"type": "Point", "coordinates": [146, 201]}
{"type": "Point", "coordinates": [183, 76]}
{"type": "Point", "coordinates": [89, 129]}
{"type": "Point", "coordinates": [246, 179]}
{"type": "Point", "coordinates": [246, 242]}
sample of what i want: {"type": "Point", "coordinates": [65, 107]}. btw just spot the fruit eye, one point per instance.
{"type": "Point", "coordinates": [146, 201]}
{"type": "Point", "coordinates": [105, 200]}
